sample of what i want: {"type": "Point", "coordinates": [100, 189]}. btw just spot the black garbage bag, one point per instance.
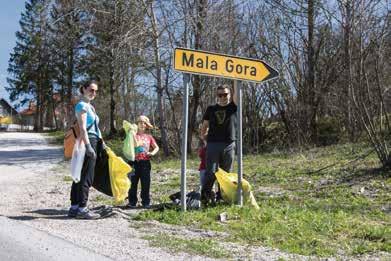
{"type": "Point", "coordinates": [102, 174]}
{"type": "Point", "coordinates": [193, 199]}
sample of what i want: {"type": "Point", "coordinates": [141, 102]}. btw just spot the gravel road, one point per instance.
{"type": "Point", "coordinates": [33, 193]}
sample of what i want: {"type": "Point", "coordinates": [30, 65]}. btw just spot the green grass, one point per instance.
{"type": "Point", "coordinates": [62, 167]}
{"type": "Point", "coordinates": [67, 179]}
{"type": "Point", "coordinates": [305, 208]}
{"type": "Point", "coordinates": [302, 210]}
{"type": "Point", "coordinates": [115, 145]}
{"type": "Point", "coordinates": [103, 200]}
{"type": "Point", "coordinates": [56, 137]}
{"type": "Point", "coordinates": [198, 246]}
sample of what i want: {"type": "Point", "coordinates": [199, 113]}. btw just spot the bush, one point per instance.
{"type": "Point", "coordinates": [276, 136]}
{"type": "Point", "coordinates": [329, 131]}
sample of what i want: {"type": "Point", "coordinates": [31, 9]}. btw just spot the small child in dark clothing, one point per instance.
{"type": "Point", "coordinates": [202, 155]}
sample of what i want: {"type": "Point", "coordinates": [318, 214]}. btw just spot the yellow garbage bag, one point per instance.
{"type": "Point", "coordinates": [229, 188]}
{"type": "Point", "coordinates": [119, 180]}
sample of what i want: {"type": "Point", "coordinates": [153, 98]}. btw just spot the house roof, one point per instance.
{"type": "Point", "coordinates": [30, 110]}
{"type": "Point", "coordinates": [8, 107]}
{"type": "Point", "coordinates": [27, 112]}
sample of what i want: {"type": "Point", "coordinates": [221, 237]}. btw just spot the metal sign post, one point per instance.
{"type": "Point", "coordinates": [185, 123]}
{"type": "Point", "coordinates": [239, 141]}
{"type": "Point", "coordinates": [217, 65]}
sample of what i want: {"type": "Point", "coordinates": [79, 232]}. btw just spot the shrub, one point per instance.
{"type": "Point", "coordinates": [329, 131]}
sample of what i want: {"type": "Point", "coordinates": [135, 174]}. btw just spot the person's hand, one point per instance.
{"type": "Point", "coordinates": [90, 152]}
{"type": "Point", "coordinates": [150, 154]}
{"type": "Point", "coordinates": [104, 146]}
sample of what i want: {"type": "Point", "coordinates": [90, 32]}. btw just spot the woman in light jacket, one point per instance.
{"type": "Point", "coordinates": [88, 122]}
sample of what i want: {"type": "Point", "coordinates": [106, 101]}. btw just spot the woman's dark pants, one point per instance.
{"type": "Point", "coordinates": [80, 190]}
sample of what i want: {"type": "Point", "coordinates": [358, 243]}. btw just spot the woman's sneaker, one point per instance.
{"type": "Point", "coordinates": [72, 212]}
{"type": "Point", "coordinates": [86, 214]}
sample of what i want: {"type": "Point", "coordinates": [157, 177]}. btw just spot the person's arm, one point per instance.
{"type": "Point", "coordinates": [82, 121]}
{"type": "Point", "coordinates": [234, 97]}
{"type": "Point", "coordinates": [155, 148]}
{"type": "Point", "coordinates": [204, 129]}
{"type": "Point", "coordinates": [135, 140]}
{"type": "Point", "coordinates": [205, 124]}
{"type": "Point", "coordinates": [200, 152]}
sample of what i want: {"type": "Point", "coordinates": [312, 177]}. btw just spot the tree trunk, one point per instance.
{"type": "Point", "coordinates": [311, 106]}
{"type": "Point", "coordinates": [195, 101]}
{"type": "Point", "coordinates": [112, 102]}
{"type": "Point", "coordinates": [54, 113]}
{"type": "Point", "coordinates": [159, 87]}
{"type": "Point", "coordinates": [36, 115]}
{"type": "Point", "coordinates": [125, 91]}
{"type": "Point", "coordinates": [348, 73]}
{"type": "Point", "coordinates": [69, 85]}
{"type": "Point", "coordinates": [160, 97]}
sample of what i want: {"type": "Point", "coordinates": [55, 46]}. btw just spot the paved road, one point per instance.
{"type": "Point", "coordinates": [21, 242]}
{"type": "Point", "coordinates": [22, 155]}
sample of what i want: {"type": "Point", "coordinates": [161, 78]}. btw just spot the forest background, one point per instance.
{"type": "Point", "coordinates": [333, 58]}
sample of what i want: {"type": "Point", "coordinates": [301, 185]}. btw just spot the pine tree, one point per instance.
{"type": "Point", "coordinates": [104, 51]}
{"type": "Point", "coordinates": [67, 49]}
{"type": "Point", "coordinates": [29, 63]}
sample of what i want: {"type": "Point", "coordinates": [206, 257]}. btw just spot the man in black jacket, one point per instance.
{"type": "Point", "coordinates": [219, 130]}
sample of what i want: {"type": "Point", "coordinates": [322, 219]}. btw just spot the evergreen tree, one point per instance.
{"type": "Point", "coordinates": [67, 49]}
{"type": "Point", "coordinates": [29, 62]}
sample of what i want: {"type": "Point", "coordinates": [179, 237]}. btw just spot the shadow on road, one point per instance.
{"type": "Point", "coordinates": [4, 143]}
{"type": "Point", "coordinates": [42, 214]}
{"type": "Point", "coordinates": [27, 156]}
{"type": "Point", "coordinates": [61, 214]}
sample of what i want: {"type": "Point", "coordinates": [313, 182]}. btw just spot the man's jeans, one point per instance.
{"type": "Point", "coordinates": [218, 154]}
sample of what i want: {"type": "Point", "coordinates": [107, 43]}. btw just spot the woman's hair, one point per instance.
{"type": "Point", "coordinates": [86, 84]}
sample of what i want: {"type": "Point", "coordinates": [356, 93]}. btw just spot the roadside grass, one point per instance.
{"type": "Point", "coordinates": [319, 201]}
{"type": "Point", "coordinates": [115, 145]}
{"type": "Point", "coordinates": [101, 199]}
{"type": "Point", "coordinates": [67, 179]}
{"type": "Point", "coordinates": [63, 168]}
{"type": "Point", "coordinates": [343, 209]}
{"type": "Point", "coordinates": [199, 246]}
{"type": "Point", "coordinates": [56, 137]}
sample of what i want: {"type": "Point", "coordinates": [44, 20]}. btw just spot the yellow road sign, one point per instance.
{"type": "Point", "coordinates": [222, 65]}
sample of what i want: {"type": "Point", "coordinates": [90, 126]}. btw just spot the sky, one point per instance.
{"type": "Point", "coordinates": [10, 12]}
